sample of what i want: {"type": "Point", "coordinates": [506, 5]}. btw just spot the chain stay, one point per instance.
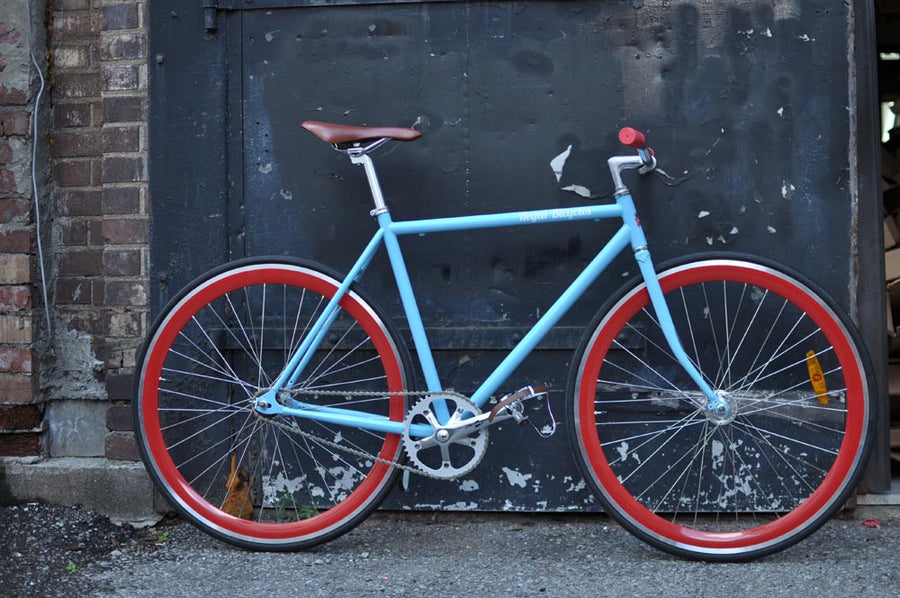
{"type": "Point", "coordinates": [345, 449]}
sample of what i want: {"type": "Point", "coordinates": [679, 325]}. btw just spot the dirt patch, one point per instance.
{"type": "Point", "coordinates": [45, 547]}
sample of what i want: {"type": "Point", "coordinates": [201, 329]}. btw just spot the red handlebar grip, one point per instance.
{"type": "Point", "coordinates": [631, 137]}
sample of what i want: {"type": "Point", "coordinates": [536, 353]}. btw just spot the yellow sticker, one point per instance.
{"type": "Point", "coordinates": [817, 377]}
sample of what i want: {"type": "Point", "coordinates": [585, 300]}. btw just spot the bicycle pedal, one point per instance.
{"type": "Point", "coordinates": [508, 402]}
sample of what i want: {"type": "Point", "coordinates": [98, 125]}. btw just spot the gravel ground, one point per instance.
{"type": "Point", "coordinates": [67, 551]}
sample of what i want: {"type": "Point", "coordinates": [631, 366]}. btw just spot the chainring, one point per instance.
{"type": "Point", "coordinates": [444, 455]}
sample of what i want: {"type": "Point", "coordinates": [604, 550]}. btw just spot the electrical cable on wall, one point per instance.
{"type": "Point", "coordinates": [34, 186]}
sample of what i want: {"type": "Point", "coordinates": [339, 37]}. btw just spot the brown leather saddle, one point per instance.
{"type": "Point", "coordinates": [346, 136]}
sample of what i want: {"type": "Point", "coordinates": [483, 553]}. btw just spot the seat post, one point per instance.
{"type": "Point", "coordinates": [360, 157]}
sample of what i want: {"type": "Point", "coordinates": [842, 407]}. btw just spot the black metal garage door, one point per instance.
{"type": "Point", "coordinates": [746, 103]}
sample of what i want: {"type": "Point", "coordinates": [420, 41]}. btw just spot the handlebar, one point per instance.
{"type": "Point", "coordinates": [632, 138]}
{"type": "Point", "coordinates": [635, 139]}
{"type": "Point", "coordinates": [644, 162]}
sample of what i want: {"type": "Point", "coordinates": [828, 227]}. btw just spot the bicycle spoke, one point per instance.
{"type": "Point", "coordinates": [699, 450]}
{"type": "Point", "coordinates": [662, 346]}
{"type": "Point", "coordinates": [750, 327]}
{"type": "Point", "coordinates": [671, 385]}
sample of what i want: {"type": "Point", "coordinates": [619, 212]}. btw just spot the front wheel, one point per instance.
{"type": "Point", "coordinates": [268, 483]}
{"type": "Point", "coordinates": [706, 485]}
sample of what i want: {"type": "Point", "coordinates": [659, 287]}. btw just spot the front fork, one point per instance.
{"type": "Point", "coordinates": [714, 403]}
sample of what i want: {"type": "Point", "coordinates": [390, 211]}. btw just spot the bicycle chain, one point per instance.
{"type": "Point", "coordinates": [357, 453]}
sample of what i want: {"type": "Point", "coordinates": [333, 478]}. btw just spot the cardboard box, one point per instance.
{"type": "Point", "coordinates": [891, 329]}
{"type": "Point", "coordinates": [894, 378]}
{"type": "Point", "coordinates": [892, 264]}
{"type": "Point", "coordinates": [891, 232]}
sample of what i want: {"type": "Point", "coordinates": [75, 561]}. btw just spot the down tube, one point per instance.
{"type": "Point", "coordinates": [613, 248]}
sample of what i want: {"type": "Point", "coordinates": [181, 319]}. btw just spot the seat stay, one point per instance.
{"type": "Point", "coordinates": [304, 353]}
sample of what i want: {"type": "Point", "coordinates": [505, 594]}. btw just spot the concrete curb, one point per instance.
{"type": "Point", "coordinates": [121, 490]}
{"type": "Point", "coordinates": [879, 506]}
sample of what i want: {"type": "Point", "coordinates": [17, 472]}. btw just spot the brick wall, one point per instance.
{"type": "Point", "coordinates": [21, 406]}
{"type": "Point", "coordinates": [99, 144]}
{"type": "Point", "coordinates": [125, 228]}
{"type": "Point", "coordinates": [92, 176]}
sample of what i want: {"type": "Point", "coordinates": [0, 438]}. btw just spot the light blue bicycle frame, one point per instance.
{"type": "Point", "coordinates": [630, 234]}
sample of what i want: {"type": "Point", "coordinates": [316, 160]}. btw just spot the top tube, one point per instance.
{"type": "Point", "coordinates": [436, 225]}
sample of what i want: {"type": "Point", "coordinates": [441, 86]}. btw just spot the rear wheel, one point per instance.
{"type": "Point", "coordinates": [734, 486]}
{"type": "Point", "coordinates": [253, 481]}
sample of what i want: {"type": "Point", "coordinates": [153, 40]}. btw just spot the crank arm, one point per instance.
{"type": "Point", "coordinates": [459, 428]}
{"type": "Point", "coordinates": [454, 429]}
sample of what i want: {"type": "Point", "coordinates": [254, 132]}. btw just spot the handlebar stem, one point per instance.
{"type": "Point", "coordinates": [619, 164]}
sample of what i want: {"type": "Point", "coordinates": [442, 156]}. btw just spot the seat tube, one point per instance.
{"type": "Point", "coordinates": [401, 275]}
{"type": "Point", "coordinates": [413, 317]}
{"type": "Point", "coordinates": [410, 306]}
{"type": "Point", "coordinates": [404, 286]}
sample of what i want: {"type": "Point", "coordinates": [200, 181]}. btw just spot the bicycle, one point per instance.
{"type": "Point", "coordinates": [720, 409]}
